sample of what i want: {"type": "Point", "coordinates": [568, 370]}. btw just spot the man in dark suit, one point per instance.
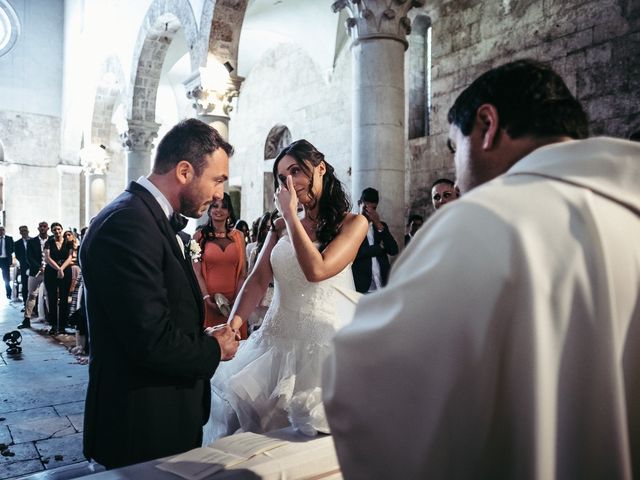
{"type": "Point", "coordinates": [20, 248]}
{"type": "Point", "coordinates": [35, 263]}
{"type": "Point", "coordinates": [371, 266]}
{"type": "Point", "coordinates": [151, 362]}
{"type": "Point", "coordinates": [6, 260]}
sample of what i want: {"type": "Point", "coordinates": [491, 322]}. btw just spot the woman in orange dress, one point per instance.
{"type": "Point", "coordinates": [222, 266]}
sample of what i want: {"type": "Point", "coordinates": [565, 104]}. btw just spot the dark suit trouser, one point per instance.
{"type": "Point", "coordinates": [24, 281]}
{"type": "Point", "coordinates": [5, 265]}
{"type": "Point", "coordinates": [58, 297]}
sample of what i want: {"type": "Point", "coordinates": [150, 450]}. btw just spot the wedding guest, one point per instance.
{"type": "Point", "coordinates": [443, 191]}
{"type": "Point", "coordinates": [6, 260]}
{"type": "Point", "coordinates": [257, 316]}
{"type": "Point", "coordinates": [413, 225]}
{"type": "Point", "coordinates": [35, 261]}
{"type": "Point", "coordinates": [264, 226]}
{"type": "Point", "coordinates": [506, 344]}
{"type": "Point", "coordinates": [58, 256]}
{"type": "Point", "coordinates": [75, 268]}
{"type": "Point", "coordinates": [150, 359]}
{"type": "Point", "coordinates": [222, 266]}
{"type": "Point", "coordinates": [274, 381]}
{"type": "Point", "coordinates": [371, 266]}
{"type": "Point", "coordinates": [242, 226]}
{"type": "Point", "coordinates": [20, 250]}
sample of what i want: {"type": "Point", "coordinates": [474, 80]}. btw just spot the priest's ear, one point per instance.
{"type": "Point", "coordinates": [488, 123]}
{"type": "Point", "coordinates": [184, 172]}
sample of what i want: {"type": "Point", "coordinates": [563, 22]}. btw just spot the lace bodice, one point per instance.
{"type": "Point", "coordinates": [301, 309]}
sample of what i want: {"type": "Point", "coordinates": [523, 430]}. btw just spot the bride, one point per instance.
{"type": "Point", "coordinates": [274, 380]}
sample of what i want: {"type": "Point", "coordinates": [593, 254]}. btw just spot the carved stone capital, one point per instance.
{"type": "Point", "coordinates": [215, 101]}
{"type": "Point", "coordinates": [97, 168]}
{"type": "Point", "coordinates": [139, 135]}
{"type": "Point", "coordinates": [94, 160]}
{"type": "Point", "coordinates": [371, 19]}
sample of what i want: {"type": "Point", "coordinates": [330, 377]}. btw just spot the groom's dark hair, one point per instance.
{"type": "Point", "coordinates": [189, 140]}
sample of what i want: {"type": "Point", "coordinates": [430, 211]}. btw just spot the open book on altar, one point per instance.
{"type": "Point", "coordinates": [202, 462]}
{"type": "Point", "coordinates": [272, 456]}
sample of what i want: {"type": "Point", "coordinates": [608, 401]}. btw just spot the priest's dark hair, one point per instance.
{"type": "Point", "coordinates": [531, 100]}
{"type": "Point", "coordinates": [189, 140]}
{"type": "Point", "coordinates": [334, 202]}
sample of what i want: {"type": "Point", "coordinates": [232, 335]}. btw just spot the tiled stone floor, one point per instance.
{"type": "Point", "coordinates": [42, 395]}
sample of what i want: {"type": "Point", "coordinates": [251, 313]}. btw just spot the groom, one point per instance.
{"type": "Point", "coordinates": [148, 393]}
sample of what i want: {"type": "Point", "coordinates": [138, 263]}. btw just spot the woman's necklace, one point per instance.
{"type": "Point", "coordinates": [219, 234]}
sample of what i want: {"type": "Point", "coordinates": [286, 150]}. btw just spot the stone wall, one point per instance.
{"type": "Point", "coordinates": [30, 181]}
{"type": "Point", "coordinates": [31, 73]}
{"type": "Point", "coordinates": [594, 45]}
{"type": "Point", "coordinates": [287, 88]}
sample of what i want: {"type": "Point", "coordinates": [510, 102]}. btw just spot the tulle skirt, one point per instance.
{"type": "Point", "coordinates": [273, 382]}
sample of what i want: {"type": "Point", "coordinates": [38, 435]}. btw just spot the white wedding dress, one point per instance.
{"type": "Point", "coordinates": [274, 380]}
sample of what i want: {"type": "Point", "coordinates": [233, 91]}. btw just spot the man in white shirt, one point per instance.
{"type": "Point", "coordinates": [507, 342]}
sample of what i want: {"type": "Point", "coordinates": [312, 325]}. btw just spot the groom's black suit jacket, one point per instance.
{"type": "Point", "coordinates": [150, 365]}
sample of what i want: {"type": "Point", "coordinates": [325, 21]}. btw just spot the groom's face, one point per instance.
{"type": "Point", "coordinates": [201, 191]}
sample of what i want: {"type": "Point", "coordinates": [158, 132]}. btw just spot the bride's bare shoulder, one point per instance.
{"type": "Point", "coordinates": [354, 220]}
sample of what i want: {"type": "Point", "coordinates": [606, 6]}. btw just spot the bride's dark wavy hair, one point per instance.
{"type": "Point", "coordinates": [333, 204]}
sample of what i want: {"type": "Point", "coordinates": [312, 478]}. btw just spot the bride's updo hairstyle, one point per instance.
{"type": "Point", "coordinates": [334, 202]}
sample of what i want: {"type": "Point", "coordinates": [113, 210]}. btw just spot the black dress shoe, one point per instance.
{"type": "Point", "coordinates": [22, 309]}
{"type": "Point", "coordinates": [53, 332]}
{"type": "Point", "coordinates": [26, 323]}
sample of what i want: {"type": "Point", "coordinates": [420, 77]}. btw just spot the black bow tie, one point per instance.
{"type": "Point", "coordinates": [178, 222]}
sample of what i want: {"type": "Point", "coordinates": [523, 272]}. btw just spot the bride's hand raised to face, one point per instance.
{"type": "Point", "coordinates": [286, 199]}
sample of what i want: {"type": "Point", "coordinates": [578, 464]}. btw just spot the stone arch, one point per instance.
{"type": "Point", "coordinates": [109, 92]}
{"type": "Point", "coordinates": [162, 21]}
{"type": "Point", "coordinates": [278, 138]}
{"type": "Point", "coordinates": [224, 35]}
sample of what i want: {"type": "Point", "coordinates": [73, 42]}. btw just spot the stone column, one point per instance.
{"type": "Point", "coordinates": [69, 188]}
{"type": "Point", "coordinates": [212, 98]}
{"type": "Point", "coordinates": [138, 143]}
{"type": "Point", "coordinates": [378, 29]}
{"type": "Point", "coordinates": [94, 162]}
{"type": "Point", "coordinates": [212, 93]}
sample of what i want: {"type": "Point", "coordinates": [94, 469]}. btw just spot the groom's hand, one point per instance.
{"type": "Point", "coordinates": [226, 339]}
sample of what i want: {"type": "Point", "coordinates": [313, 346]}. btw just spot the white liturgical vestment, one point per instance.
{"type": "Point", "coordinates": [507, 342]}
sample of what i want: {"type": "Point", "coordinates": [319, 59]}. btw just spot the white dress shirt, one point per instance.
{"type": "Point", "coordinates": [376, 278]}
{"type": "Point", "coordinates": [163, 202]}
